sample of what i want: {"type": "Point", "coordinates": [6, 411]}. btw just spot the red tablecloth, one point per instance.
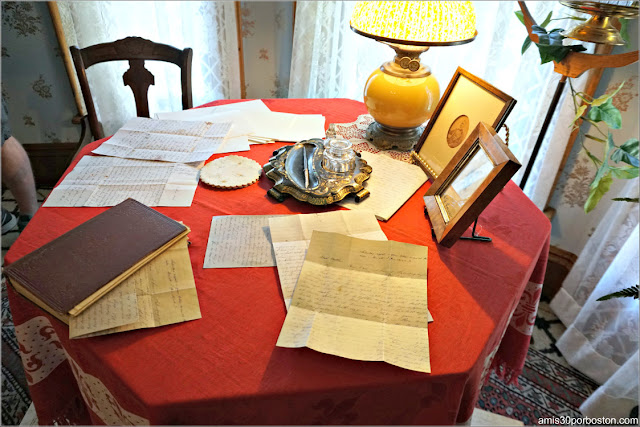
{"type": "Point", "coordinates": [225, 367]}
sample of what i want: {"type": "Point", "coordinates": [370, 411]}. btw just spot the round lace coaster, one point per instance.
{"type": "Point", "coordinates": [231, 172]}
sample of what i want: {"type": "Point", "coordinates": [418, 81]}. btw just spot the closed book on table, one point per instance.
{"type": "Point", "coordinates": [69, 273]}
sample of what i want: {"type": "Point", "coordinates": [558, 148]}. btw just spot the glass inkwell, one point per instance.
{"type": "Point", "coordinates": [318, 172]}
{"type": "Point", "coordinates": [338, 157]}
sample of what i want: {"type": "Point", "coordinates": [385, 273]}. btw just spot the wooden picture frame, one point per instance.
{"type": "Point", "coordinates": [477, 173]}
{"type": "Point", "coordinates": [467, 101]}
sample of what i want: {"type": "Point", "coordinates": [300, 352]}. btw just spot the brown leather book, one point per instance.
{"type": "Point", "coordinates": [69, 273]}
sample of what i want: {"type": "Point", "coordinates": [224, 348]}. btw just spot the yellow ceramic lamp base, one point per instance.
{"type": "Point", "coordinates": [401, 102]}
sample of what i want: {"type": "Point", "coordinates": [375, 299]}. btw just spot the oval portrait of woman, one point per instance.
{"type": "Point", "coordinates": [458, 131]}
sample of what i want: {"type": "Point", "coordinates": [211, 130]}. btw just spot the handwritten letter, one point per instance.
{"type": "Point", "coordinates": [361, 299]}
{"type": "Point", "coordinates": [291, 235]}
{"type": "Point", "coordinates": [239, 241]}
{"type": "Point", "coordinates": [162, 292]}
{"type": "Point", "coordinates": [166, 140]}
{"type": "Point", "coordinates": [391, 184]}
{"type": "Point", "coordinates": [107, 181]}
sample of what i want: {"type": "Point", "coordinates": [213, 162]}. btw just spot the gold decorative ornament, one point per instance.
{"type": "Point", "coordinates": [231, 172]}
{"type": "Point", "coordinates": [599, 28]}
{"type": "Point", "coordinates": [298, 171]}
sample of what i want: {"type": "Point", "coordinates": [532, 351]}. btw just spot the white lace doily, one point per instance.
{"type": "Point", "coordinates": [231, 172]}
{"type": "Point", "coordinates": [356, 131]}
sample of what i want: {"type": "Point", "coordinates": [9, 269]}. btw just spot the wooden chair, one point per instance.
{"type": "Point", "coordinates": [135, 50]}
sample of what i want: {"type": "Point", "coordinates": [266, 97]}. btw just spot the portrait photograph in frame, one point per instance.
{"type": "Point", "coordinates": [467, 101]}
{"type": "Point", "coordinates": [477, 173]}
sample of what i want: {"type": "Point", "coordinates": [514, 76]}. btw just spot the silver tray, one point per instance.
{"type": "Point", "coordinates": [286, 169]}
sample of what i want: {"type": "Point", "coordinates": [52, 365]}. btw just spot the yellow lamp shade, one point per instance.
{"type": "Point", "coordinates": [415, 22]}
{"type": "Point", "coordinates": [400, 102]}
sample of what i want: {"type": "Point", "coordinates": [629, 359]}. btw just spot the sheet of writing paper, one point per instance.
{"type": "Point", "coordinates": [234, 144]}
{"type": "Point", "coordinates": [287, 126]}
{"type": "Point", "coordinates": [107, 181]}
{"type": "Point", "coordinates": [363, 300]}
{"type": "Point", "coordinates": [208, 113]}
{"type": "Point", "coordinates": [166, 140]}
{"type": "Point", "coordinates": [239, 241]}
{"type": "Point", "coordinates": [291, 235]}
{"type": "Point", "coordinates": [176, 127]}
{"type": "Point", "coordinates": [391, 184]}
{"type": "Point", "coordinates": [118, 307]}
{"type": "Point", "coordinates": [241, 129]}
{"type": "Point", "coordinates": [164, 293]}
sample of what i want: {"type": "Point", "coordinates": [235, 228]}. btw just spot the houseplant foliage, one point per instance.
{"type": "Point", "coordinates": [615, 161]}
{"type": "Point", "coordinates": [630, 292]}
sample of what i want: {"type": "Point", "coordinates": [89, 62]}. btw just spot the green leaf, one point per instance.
{"type": "Point", "coordinates": [606, 113]}
{"type": "Point", "coordinates": [550, 44]}
{"type": "Point", "coordinates": [594, 138]}
{"type": "Point", "coordinates": [626, 199]}
{"type": "Point", "coordinates": [525, 45]}
{"type": "Point", "coordinates": [546, 20]}
{"type": "Point", "coordinates": [593, 158]}
{"type": "Point", "coordinates": [578, 114]}
{"type": "Point", "coordinates": [597, 189]}
{"type": "Point", "coordinates": [624, 30]}
{"type": "Point", "coordinates": [604, 98]}
{"type": "Point", "coordinates": [627, 153]}
{"type": "Point", "coordinates": [625, 172]}
{"type": "Point", "coordinates": [544, 23]}
{"type": "Point", "coordinates": [584, 98]}
{"type": "Point", "coordinates": [630, 292]}
{"type": "Point", "coordinates": [631, 146]}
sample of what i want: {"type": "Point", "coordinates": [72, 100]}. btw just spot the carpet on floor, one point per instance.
{"type": "Point", "coordinates": [15, 393]}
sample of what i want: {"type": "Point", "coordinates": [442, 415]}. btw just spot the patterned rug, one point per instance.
{"type": "Point", "coordinates": [547, 387]}
{"type": "Point", "coordinates": [15, 394]}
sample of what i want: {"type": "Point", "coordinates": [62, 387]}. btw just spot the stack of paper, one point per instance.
{"type": "Point", "coordinates": [238, 114]}
{"type": "Point", "coordinates": [255, 118]}
{"type": "Point", "coordinates": [363, 300]}
{"type": "Point", "coordinates": [208, 114]}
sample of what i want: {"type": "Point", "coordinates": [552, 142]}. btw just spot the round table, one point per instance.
{"type": "Point", "coordinates": [225, 367]}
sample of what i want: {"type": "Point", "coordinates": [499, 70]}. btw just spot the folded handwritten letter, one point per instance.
{"type": "Point", "coordinates": [391, 184]}
{"type": "Point", "coordinates": [239, 241]}
{"type": "Point", "coordinates": [107, 181]}
{"type": "Point", "coordinates": [166, 140]}
{"type": "Point", "coordinates": [291, 235]}
{"type": "Point", "coordinates": [162, 292]}
{"type": "Point", "coordinates": [363, 300]}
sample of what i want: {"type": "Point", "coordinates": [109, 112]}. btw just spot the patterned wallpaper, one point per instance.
{"type": "Point", "coordinates": [571, 226]}
{"type": "Point", "coordinates": [34, 81]}
{"type": "Point", "coordinates": [267, 40]}
{"type": "Point", "coordinates": [36, 86]}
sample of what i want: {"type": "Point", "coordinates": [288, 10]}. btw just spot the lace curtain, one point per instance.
{"type": "Point", "coordinates": [601, 339]}
{"type": "Point", "coordinates": [209, 28]}
{"type": "Point", "coordinates": [330, 60]}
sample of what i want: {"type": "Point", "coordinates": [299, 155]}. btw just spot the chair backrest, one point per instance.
{"type": "Point", "coordinates": [135, 50]}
